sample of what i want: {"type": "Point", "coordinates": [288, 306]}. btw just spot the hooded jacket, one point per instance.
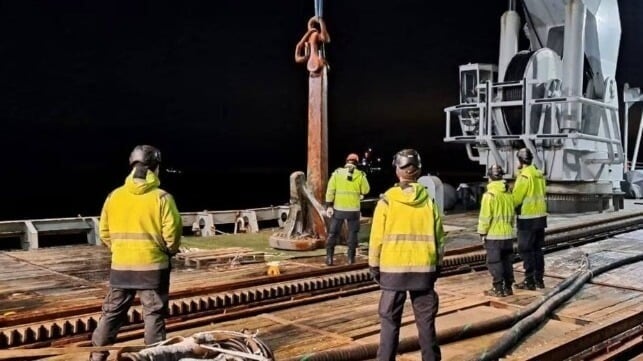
{"type": "Point", "coordinates": [407, 239]}
{"type": "Point", "coordinates": [345, 187]}
{"type": "Point", "coordinates": [496, 212]}
{"type": "Point", "coordinates": [529, 199]}
{"type": "Point", "coordinates": [142, 227]}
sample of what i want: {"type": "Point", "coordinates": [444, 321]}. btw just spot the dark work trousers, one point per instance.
{"type": "Point", "coordinates": [425, 308]}
{"type": "Point", "coordinates": [115, 307]}
{"type": "Point", "coordinates": [336, 222]}
{"type": "Point", "coordinates": [530, 247]}
{"type": "Point", "coordinates": [500, 257]}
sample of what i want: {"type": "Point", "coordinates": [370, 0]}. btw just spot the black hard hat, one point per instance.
{"type": "Point", "coordinates": [495, 172]}
{"type": "Point", "coordinates": [524, 156]}
{"type": "Point", "coordinates": [407, 157]}
{"type": "Point", "coordinates": [147, 155]}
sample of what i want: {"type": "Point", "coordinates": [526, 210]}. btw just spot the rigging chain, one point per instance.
{"type": "Point", "coordinates": [308, 48]}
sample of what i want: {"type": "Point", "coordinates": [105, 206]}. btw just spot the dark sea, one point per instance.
{"type": "Point", "coordinates": [193, 190]}
{"type": "Point", "coordinates": [83, 192]}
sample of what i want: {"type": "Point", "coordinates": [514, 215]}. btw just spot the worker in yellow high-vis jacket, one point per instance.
{"type": "Point", "coordinates": [495, 226]}
{"type": "Point", "coordinates": [142, 227]}
{"type": "Point", "coordinates": [531, 207]}
{"type": "Point", "coordinates": [404, 256]}
{"type": "Point", "coordinates": [346, 187]}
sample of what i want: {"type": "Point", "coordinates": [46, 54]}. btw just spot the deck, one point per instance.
{"type": "Point", "coordinates": [72, 276]}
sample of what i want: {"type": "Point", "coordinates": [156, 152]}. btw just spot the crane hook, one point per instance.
{"type": "Point", "coordinates": [307, 48]}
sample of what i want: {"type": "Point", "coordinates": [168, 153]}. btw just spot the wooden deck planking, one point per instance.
{"type": "Point", "coordinates": [592, 305]}
{"type": "Point", "coordinates": [297, 331]}
{"type": "Point", "coordinates": [529, 350]}
{"type": "Point", "coordinates": [465, 349]}
{"type": "Point", "coordinates": [594, 298]}
{"type": "Point", "coordinates": [50, 275]}
{"type": "Point", "coordinates": [305, 329]}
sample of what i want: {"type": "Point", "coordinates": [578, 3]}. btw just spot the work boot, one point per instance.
{"type": "Point", "coordinates": [351, 256]}
{"type": "Point", "coordinates": [329, 257]}
{"type": "Point", "coordinates": [527, 284]}
{"type": "Point", "coordinates": [507, 289]}
{"type": "Point", "coordinates": [496, 291]}
{"type": "Point", "coordinates": [540, 284]}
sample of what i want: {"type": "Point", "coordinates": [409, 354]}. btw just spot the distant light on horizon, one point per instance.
{"type": "Point", "coordinates": [173, 171]}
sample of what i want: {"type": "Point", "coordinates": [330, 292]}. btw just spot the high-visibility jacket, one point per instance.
{"type": "Point", "coordinates": [497, 212]}
{"type": "Point", "coordinates": [344, 189]}
{"type": "Point", "coordinates": [142, 227]}
{"type": "Point", "coordinates": [529, 198]}
{"type": "Point", "coordinates": [407, 239]}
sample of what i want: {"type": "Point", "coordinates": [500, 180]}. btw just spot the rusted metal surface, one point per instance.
{"type": "Point", "coordinates": [595, 335]}
{"type": "Point", "coordinates": [620, 347]}
{"type": "Point", "coordinates": [189, 307]}
{"type": "Point", "coordinates": [25, 354]}
{"type": "Point", "coordinates": [583, 322]}
{"type": "Point", "coordinates": [297, 330]}
{"type": "Point", "coordinates": [195, 301]}
{"type": "Point", "coordinates": [309, 50]}
{"type": "Point", "coordinates": [70, 311]}
{"type": "Point", "coordinates": [298, 233]}
{"type": "Point", "coordinates": [306, 228]}
{"type": "Point", "coordinates": [185, 303]}
{"type": "Point", "coordinates": [625, 350]}
{"type": "Point", "coordinates": [453, 264]}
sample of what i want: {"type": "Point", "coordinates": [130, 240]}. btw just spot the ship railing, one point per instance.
{"type": "Point", "coordinates": [205, 223]}
{"type": "Point", "coordinates": [483, 132]}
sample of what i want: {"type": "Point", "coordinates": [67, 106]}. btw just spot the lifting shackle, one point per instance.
{"type": "Point", "coordinates": [308, 48]}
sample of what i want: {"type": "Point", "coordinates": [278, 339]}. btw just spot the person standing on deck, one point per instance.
{"type": "Point", "coordinates": [142, 227]}
{"type": "Point", "coordinates": [531, 208]}
{"type": "Point", "coordinates": [495, 226]}
{"type": "Point", "coordinates": [405, 253]}
{"type": "Point", "coordinates": [346, 187]}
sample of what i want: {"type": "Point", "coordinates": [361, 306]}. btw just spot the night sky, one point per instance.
{"type": "Point", "coordinates": [214, 85]}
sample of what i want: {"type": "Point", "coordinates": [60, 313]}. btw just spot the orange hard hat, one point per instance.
{"type": "Point", "coordinates": [352, 157]}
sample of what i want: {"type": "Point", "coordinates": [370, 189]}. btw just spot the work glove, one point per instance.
{"type": "Point", "coordinates": [375, 273]}
{"type": "Point", "coordinates": [483, 238]}
{"type": "Point", "coordinates": [329, 212]}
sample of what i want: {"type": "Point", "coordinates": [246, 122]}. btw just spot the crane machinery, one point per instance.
{"type": "Point", "coordinates": [558, 99]}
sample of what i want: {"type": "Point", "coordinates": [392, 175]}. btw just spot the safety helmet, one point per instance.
{"type": "Point", "coordinates": [495, 172]}
{"type": "Point", "coordinates": [352, 158]}
{"type": "Point", "coordinates": [407, 157]}
{"type": "Point", "coordinates": [147, 155]}
{"type": "Point", "coordinates": [524, 156]}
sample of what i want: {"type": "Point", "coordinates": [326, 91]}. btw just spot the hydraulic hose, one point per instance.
{"type": "Point", "coordinates": [522, 328]}
{"type": "Point", "coordinates": [554, 297]}
{"type": "Point", "coordinates": [410, 344]}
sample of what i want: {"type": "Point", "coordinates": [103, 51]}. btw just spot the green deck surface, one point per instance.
{"type": "Point", "coordinates": [259, 242]}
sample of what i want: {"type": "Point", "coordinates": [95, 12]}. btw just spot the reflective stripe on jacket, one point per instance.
{"type": "Point", "coordinates": [529, 196]}
{"type": "Point", "coordinates": [142, 227]}
{"type": "Point", "coordinates": [529, 199]}
{"type": "Point", "coordinates": [407, 239]}
{"type": "Point", "coordinates": [497, 212]}
{"type": "Point", "coordinates": [344, 189]}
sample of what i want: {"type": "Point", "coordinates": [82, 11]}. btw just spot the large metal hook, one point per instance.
{"type": "Point", "coordinates": [307, 48]}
